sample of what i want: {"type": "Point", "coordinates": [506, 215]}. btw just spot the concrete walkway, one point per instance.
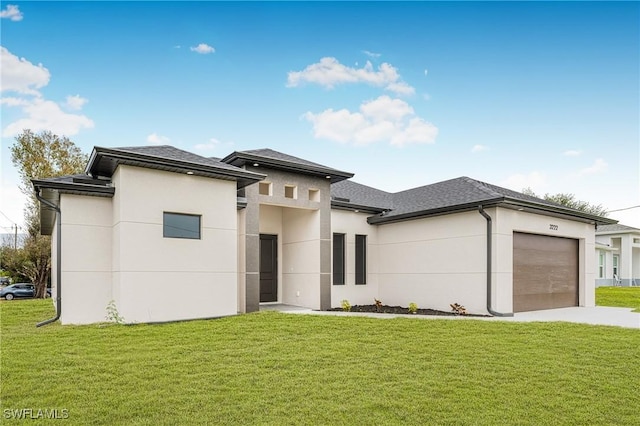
{"type": "Point", "coordinates": [599, 315]}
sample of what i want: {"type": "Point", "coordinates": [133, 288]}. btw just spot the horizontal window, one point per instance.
{"type": "Point", "coordinates": [177, 225]}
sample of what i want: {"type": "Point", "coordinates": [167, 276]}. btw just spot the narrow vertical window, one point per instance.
{"type": "Point", "coordinates": [601, 264]}
{"type": "Point", "coordinates": [338, 259]}
{"type": "Point", "coordinates": [361, 259]}
{"type": "Point", "coordinates": [616, 259]}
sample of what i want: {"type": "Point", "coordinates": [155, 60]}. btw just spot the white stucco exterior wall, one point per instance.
{"type": "Point", "coordinates": [434, 262]}
{"type": "Point", "coordinates": [86, 258]}
{"type": "Point", "coordinates": [301, 257]}
{"type": "Point", "coordinates": [352, 224]}
{"type": "Point", "coordinates": [165, 279]}
{"type": "Point", "coordinates": [242, 258]}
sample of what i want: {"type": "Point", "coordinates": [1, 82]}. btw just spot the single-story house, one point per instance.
{"type": "Point", "coordinates": [617, 255]}
{"type": "Point", "coordinates": [163, 234]}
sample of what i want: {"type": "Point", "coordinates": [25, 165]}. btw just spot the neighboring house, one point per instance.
{"type": "Point", "coordinates": [617, 255]}
{"type": "Point", "coordinates": [168, 235]}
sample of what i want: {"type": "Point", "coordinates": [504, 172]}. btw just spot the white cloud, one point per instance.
{"type": "Point", "coordinates": [598, 166]}
{"type": "Point", "coordinates": [329, 73]}
{"type": "Point", "coordinates": [426, 71]}
{"type": "Point", "coordinates": [371, 54]}
{"type": "Point", "coordinates": [479, 148]}
{"type": "Point", "coordinates": [75, 102]}
{"type": "Point", "coordinates": [156, 139]}
{"type": "Point", "coordinates": [203, 49]}
{"type": "Point", "coordinates": [21, 76]}
{"type": "Point", "coordinates": [534, 180]}
{"type": "Point", "coordinates": [12, 12]}
{"type": "Point", "coordinates": [211, 145]}
{"type": "Point", "coordinates": [572, 153]}
{"type": "Point", "coordinates": [11, 101]}
{"type": "Point", "coordinates": [385, 108]}
{"type": "Point", "coordinates": [380, 120]}
{"type": "Point", "coordinates": [47, 115]}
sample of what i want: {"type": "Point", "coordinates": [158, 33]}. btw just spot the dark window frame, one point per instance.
{"type": "Point", "coordinates": [361, 259]}
{"type": "Point", "coordinates": [339, 258]}
{"type": "Point", "coordinates": [174, 232]}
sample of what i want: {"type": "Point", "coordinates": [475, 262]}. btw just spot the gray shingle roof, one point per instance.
{"type": "Point", "coordinates": [173, 153]}
{"type": "Point", "coordinates": [276, 155]}
{"type": "Point", "coordinates": [104, 161]}
{"type": "Point", "coordinates": [278, 160]}
{"type": "Point", "coordinates": [361, 195]}
{"type": "Point", "coordinates": [443, 196]}
{"type": "Point", "coordinates": [604, 229]}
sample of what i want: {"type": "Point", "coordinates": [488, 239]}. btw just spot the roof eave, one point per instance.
{"type": "Point", "coordinates": [242, 177]}
{"type": "Point", "coordinates": [373, 220]}
{"type": "Point", "coordinates": [560, 212]}
{"type": "Point", "coordinates": [239, 159]}
{"type": "Point", "coordinates": [341, 205]}
{"type": "Point", "coordinates": [74, 188]}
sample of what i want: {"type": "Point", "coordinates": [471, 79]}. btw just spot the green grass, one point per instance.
{"type": "Point", "coordinates": [274, 368]}
{"type": "Point", "coordinates": [623, 297]}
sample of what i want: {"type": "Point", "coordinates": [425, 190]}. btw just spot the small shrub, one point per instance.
{"type": "Point", "coordinates": [413, 308]}
{"type": "Point", "coordinates": [378, 305]}
{"type": "Point", "coordinates": [458, 309]}
{"type": "Point", "coordinates": [112, 313]}
{"type": "Point", "coordinates": [346, 306]}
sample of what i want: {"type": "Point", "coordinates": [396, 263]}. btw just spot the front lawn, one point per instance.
{"type": "Point", "coordinates": [274, 368]}
{"type": "Point", "coordinates": [623, 297]}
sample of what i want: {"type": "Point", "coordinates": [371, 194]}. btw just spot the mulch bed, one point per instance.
{"type": "Point", "coordinates": [386, 309]}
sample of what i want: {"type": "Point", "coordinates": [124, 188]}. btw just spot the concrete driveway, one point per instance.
{"type": "Point", "coordinates": [599, 315]}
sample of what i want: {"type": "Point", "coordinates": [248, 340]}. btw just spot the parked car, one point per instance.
{"type": "Point", "coordinates": [4, 281]}
{"type": "Point", "coordinates": [12, 291]}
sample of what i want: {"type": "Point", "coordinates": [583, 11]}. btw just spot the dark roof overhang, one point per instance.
{"type": "Point", "coordinates": [104, 161]}
{"type": "Point", "coordinates": [343, 205]}
{"type": "Point", "coordinates": [239, 159]}
{"type": "Point", "coordinates": [50, 190]}
{"type": "Point", "coordinates": [505, 202]}
{"type": "Point", "coordinates": [390, 218]}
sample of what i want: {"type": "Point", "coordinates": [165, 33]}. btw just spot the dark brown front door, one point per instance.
{"type": "Point", "coordinates": [545, 272]}
{"type": "Point", "coordinates": [268, 268]}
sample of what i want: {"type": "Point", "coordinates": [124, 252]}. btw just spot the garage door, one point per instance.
{"type": "Point", "coordinates": [545, 272]}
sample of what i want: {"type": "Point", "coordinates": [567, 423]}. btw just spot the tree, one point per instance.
{"type": "Point", "coordinates": [569, 200]}
{"type": "Point", "coordinates": [38, 156]}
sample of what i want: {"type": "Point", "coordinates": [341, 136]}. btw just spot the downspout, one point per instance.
{"type": "Point", "coordinates": [489, 270]}
{"type": "Point", "coordinates": [58, 260]}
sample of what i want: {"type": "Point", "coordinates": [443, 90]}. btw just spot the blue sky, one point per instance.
{"type": "Point", "coordinates": [518, 94]}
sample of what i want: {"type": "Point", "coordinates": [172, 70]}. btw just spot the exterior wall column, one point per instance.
{"type": "Point", "coordinates": [325, 249]}
{"type": "Point", "coordinates": [252, 249]}
{"type": "Point", "coordinates": [626, 262]}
